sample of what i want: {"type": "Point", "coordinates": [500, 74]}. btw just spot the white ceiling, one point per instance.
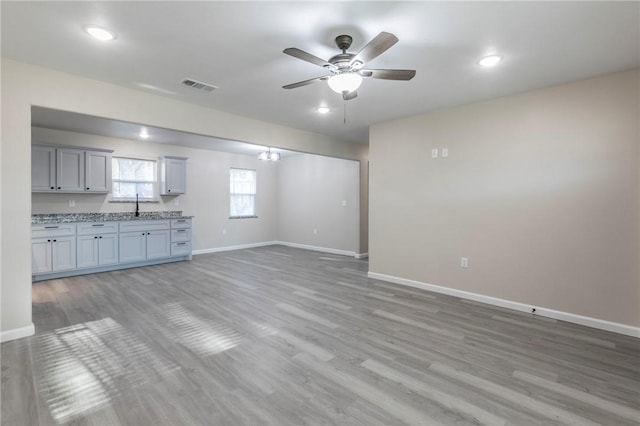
{"type": "Point", "coordinates": [237, 46]}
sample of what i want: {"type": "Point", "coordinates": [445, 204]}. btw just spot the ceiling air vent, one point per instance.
{"type": "Point", "coordinates": [194, 84]}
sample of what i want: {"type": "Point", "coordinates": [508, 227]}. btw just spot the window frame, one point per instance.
{"type": "Point", "coordinates": [254, 194]}
{"type": "Point", "coordinates": [154, 182]}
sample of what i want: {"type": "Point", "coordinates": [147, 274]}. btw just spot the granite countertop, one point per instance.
{"type": "Point", "coordinates": [103, 217]}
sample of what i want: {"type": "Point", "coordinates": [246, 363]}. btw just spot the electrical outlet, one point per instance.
{"type": "Point", "coordinates": [464, 262]}
{"type": "Point", "coordinates": [444, 152]}
{"type": "Point", "coordinates": [344, 203]}
{"type": "Point", "coordinates": [72, 203]}
{"type": "Point", "coordinates": [224, 231]}
{"type": "Point", "coordinates": [176, 202]}
{"type": "Point", "coordinates": [315, 231]}
{"type": "Point", "coordinates": [434, 153]}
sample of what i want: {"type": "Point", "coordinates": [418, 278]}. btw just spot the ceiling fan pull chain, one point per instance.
{"type": "Point", "coordinates": [345, 113]}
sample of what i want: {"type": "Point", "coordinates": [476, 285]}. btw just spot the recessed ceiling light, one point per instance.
{"type": "Point", "coordinates": [99, 33]}
{"type": "Point", "coordinates": [144, 134]}
{"type": "Point", "coordinates": [323, 109]}
{"type": "Point", "coordinates": [489, 61]}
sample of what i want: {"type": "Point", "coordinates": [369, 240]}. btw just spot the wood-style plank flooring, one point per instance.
{"type": "Point", "coordinates": [283, 336]}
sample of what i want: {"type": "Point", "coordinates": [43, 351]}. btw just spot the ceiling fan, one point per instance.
{"type": "Point", "coordinates": [346, 69]}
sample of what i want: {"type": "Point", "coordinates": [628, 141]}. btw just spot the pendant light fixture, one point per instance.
{"type": "Point", "coordinates": [269, 156]}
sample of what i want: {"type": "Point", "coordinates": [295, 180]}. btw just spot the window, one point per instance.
{"type": "Point", "coordinates": [132, 176]}
{"type": "Point", "coordinates": [242, 192]}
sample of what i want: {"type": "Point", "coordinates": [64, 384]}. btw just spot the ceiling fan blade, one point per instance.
{"type": "Point", "coordinates": [350, 95]}
{"type": "Point", "coordinates": [375, 48]}
{"type": "Point", "coordinates": [388, 74]}
{"type": "Point", "coordinates": [305, 82]}
{"type": "Point", "coordinates": [308, 57]}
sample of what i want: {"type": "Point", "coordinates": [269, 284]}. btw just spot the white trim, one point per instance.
{"type": "Point", "coordinates": [238, 247]}
{"type": "Point", "coordinates": [17, 333]}
{"type": "Point", "coordinates": [282, 243]}
{"type": "Point", "coordinates": [361, 255]}
{"type": "Point", "coordinates": [517, 306]}
{"type": "Point", "coordinates": [315, 248]}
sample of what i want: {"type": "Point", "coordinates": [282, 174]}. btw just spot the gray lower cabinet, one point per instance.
{"type": "Point", "coordinates": [97, 244]}
{"type": "Point", "coordinates": [53, 248]}
{"type": "Point", "coordinates": [181, 237]}
{"type": "Point", "coordinates": [67, 249]}
{"type": "Point", "coordinates": [144, 240]}
{"type": "Point", "coordinates": [95, 250]}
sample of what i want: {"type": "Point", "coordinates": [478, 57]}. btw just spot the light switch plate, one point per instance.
{"type": "Point", "coordinates": [344, 203]}
{"type": "Point", "coordinates": [445, 152]}
{"type": "Point", "coordinates": [434, 153]}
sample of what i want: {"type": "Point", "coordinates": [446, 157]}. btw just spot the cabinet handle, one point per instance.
{"type": "Point", "coordinates": [95, 238]}
{"type": "Point", "coordinates": [58, 187]}
{"type": "Point", "coordinates": [48, 241]}
{"type": "Point", "coordinates": [144, 233]}
{"type": "Point", "coordinates": [168, 190]}
{"type": "Point", "coordinates": [182, 230]}
{"type": "Point", "coordinates": [53, 187]}
{"type": "Point", "coordinates": [87, 188]}
{"type": "Point", "coordinates": [55, 241]}
{"type": "Point", "coordinates": [182, 244]}
{"type": "Point", "coordinates": [100, 236]}
{"type": "Point", "coordinates": [51, 227]}
{"type": "Point", "coordinates": [98, 224]}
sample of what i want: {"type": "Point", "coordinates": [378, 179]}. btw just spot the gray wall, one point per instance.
{"type": "Point", "coordinates": [311, 191]}
{"type": "Point", "coordinates": [540, 191]}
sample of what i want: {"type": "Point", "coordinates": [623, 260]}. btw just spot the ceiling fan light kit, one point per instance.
{"type": "Point", "coordinates": [347, 68]}
{"type": "Point", "coordinates": [345, 83]}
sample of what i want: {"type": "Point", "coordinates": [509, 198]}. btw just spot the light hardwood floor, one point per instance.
{"type": "Point", "coordinates": [283, 336]}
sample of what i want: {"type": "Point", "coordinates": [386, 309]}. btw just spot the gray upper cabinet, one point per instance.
{"type": "Point", "coordinates": [70, 169]}
{"type": "Point", "coordinates": [173, 175]}
{"type": "Point", "coordinates": [43, 168]}
{"type": "Point", "coordinates": [97, 171]}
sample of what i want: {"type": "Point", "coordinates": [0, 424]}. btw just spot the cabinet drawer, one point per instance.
{"type": "Point", "coordinates": [95, 228]}
{"type": "Point", "coordinates": [180, 223]}
{"type": "Point", "coordinates": [53, 230]}
{"type": "Point", "coordinates": [180, 235]}
{"type": "Point", "coordinates": [143, 225]}
{"type": "Point", "coordinates": [181, 248]}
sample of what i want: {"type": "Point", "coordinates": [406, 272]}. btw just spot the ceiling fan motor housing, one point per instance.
{"type": "Point", "coordinates": [344, 42]}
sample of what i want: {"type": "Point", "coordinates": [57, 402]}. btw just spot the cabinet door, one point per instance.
{"type": "Point", "coordinates": [108, 249]}
{"type": "Point", "coordinates": [87, 251]}
{"type": "Point", "coordinates": [175, 176]}
{"type": "Point", "coordinates": [43, 168]}
{"type": "Point", "coordinates": [158, 244]}
{"type": "Point", "coordinates": [70, 170]}
{"type": "Point", "coordinates": [133, 246]}
{"type": "Point", "coordinates": [63, 253]}
{"type": "Point", "coordinates": [97, 171]}
{"type": "Point", "coordinates": [40, 255]}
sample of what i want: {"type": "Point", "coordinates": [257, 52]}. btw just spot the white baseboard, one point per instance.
{"type": "Point", "coordinates": [17, 333]}
{"type": "Point", "coordinates": [517, 306]}
{"type": "Point", "coordinates": [315, 248]}
{"type": "Point", "coordinates": [238, 247]}
{"type": "Point", "coordinates": [282, 243]}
